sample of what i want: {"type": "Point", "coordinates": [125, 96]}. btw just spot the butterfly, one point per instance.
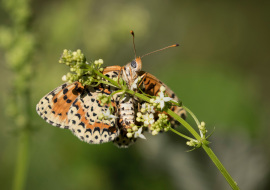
{"type": "Point", "coordinates": [77, 108]}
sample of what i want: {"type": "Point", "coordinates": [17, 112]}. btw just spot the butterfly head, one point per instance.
{"type": "Point", "coordinates": [131, 70]}
{"type": "Point", "coordinates": [136, 64]}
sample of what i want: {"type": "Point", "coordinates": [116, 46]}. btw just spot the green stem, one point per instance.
{"type": "Point", "coordinates": [23, 142]}
{"type": "Point", "coordinates": [22, 161]}
{"type": "Point", "coordinates": [184, 123]}
{"type": "Point", "coordinates": [107, 78]}
{"type": "Point", "coordinates": [221, 168]}
{"type": "Point", "coordinates": [192, 115]}
{"type": "Point", "coordinates": [180, 134]}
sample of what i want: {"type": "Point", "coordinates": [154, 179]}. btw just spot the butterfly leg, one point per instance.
{"type": "Point", "coordinates": [119, 74]}
{"type": "Point", "coordinates": [142, 78]}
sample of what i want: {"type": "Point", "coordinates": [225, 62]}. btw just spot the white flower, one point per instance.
{"type": "Point", "coordinates": [108, 115]}
{"type": "Point", "coordinates": [135, 84]}
{"type": "Point", "coordinates": [161, 99]}
{"type": "Point", "coordinates": [139, 134]}
{"type": "Point", "coordinates": [148, 119]}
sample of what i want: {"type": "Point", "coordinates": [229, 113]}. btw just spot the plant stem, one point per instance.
{"type": "Point", "coordinates": [180, 134]}
{"type": "Point", "coordinates": [24, 105]}
{"type": "Point", "coordinates": [221, 168]}
{"type": "Point", "coordinates": [22, 161]}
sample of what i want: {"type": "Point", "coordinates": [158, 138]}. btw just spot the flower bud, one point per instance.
{"type": "Point", "coordinates": [139, 114]}
{"type": "Point", "coordinates": [100, 61]}
{"type": "Point", "coordinates": [162, 89]}
{"type": "Point", "coordinates": [135, 128]}
{"type": "Point", "coordinates": [129, 135]}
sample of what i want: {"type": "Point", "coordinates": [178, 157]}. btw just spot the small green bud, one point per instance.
{"type": "Point", "coordinates": [139, 114]}
{"type": "Point", "coordinates": [100, 117]}
{"type": "Point", "coordinates": [203, 124]}
{"type": "Point", "coordinates": [64, 78]}
{"type": "Point", "coordinates": [154, 132]}
{"type": "Point", "coordinates": [129, 135]}
{"type": "Point", "coordinates": [135, 128]}
{"type": "Point", "coordinates": [100, 61]}
{"type": "Point", "coordinates": [166, 129]}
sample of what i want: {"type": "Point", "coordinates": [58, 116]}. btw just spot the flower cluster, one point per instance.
{"type": "Point", "coordinates": [162, 124]}
{"type": "Point", "coordinates": [202, 129]}
{"type": "Point", "coordinates": [193, 143]}
{"type": "Point", "coordinates": [150, 117]}
{"type": "Point", "coordinates": [81, 70]}
{"type": "Point", "coordinates": [135, 131]}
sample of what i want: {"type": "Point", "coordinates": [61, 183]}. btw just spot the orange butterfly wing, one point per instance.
{"type": "Point", "coordinates": [74, 107]}
{"type": "Point", "coordinates": [152, 87]}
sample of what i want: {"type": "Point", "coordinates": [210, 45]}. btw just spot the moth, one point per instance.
{"type": "Point", "coordinates": [77, 108]}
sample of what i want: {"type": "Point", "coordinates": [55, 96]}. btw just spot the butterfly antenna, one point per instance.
{"type": "Point", "coordinates": [133, 35]}
{"type": "Point", "coordinates": [174, 45]}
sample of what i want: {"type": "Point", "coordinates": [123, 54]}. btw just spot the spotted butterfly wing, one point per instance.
{"type": "Point", "coordinates": [74, 107]}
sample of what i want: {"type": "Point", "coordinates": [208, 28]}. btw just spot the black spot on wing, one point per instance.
{"type": "Point", "coordinates": [64, 86]}
{"type": "Point", "coordinates": [65, 91]}
{"type": "Point", "coordinates": [78, 115]}
{"type": "Point", "coordinates": [82, 124]}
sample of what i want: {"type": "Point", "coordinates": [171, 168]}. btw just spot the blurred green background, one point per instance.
{"type": "Point", "coordinates": [220, 71]}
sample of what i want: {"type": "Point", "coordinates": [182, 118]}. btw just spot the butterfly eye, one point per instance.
{"type": "Point", "coordinates": [133, 64]}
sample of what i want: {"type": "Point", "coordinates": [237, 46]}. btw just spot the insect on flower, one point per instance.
{"type": "Point", "coordinates": [94, 112]}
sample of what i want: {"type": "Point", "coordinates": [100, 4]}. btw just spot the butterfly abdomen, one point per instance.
{"type": "Point", "coordinates": [126, 112]}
